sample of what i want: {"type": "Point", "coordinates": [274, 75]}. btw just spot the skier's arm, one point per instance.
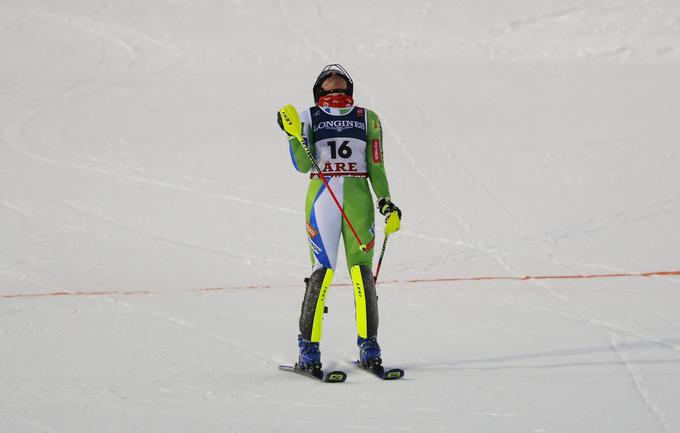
{"type": "Point", "coordinates": [298, 153]}
{"type": "Point", "coordinates": [376, 163]}
{"type": "Point", "coordinates": [376, 168]}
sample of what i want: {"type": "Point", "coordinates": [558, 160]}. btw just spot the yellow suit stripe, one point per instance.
{"type": "Point", "coordinates": [320, 306]}
{"type": "Point", "coordinates": [360, 301]}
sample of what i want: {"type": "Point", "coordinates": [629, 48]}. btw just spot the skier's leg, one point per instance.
{"type": "Point", "coordinates": [313, 304]}
{"type": "Point", "coordinates": [323, 221]}
{"type": "Point", "coordinates": [323, 232]}
{"type": "Point", "coordinates": [359, 208]}
{"type": "Point", "coordinates": [365, 301]}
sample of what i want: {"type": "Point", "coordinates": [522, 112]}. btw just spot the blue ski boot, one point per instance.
{"type": "Point", "coordinates": [369, 351]}
{"type": "Point", "coordinates": [310, 356]}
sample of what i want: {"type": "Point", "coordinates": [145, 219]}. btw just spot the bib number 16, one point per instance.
{"type": "Point", "coordinates": [344, 151]}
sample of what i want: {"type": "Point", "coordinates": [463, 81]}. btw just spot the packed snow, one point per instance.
{"type": "Point", "coordinates": [152, 240]}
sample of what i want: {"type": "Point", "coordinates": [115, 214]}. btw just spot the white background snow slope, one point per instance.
{"type": "Point", "coordinates": [140, 164]}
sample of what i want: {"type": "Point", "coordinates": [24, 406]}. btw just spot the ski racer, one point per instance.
{"type": "Point", "coordinates": [344, 141]}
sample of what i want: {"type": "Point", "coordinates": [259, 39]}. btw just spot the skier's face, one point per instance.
{"type": "Point", "coordinates": [334, 82]}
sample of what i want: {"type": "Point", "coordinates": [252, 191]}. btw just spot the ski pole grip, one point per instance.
{"type": "Point", "coordinates": [291, 121]}
{"type": "Point", "coordinates": [393, 223]}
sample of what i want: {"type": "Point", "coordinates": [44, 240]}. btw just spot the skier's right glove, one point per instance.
{"type": "Point", "coordinates": [386, 207]}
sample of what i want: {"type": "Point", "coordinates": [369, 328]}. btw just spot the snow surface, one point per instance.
{"type": "Point", "coordinates": [141, 166]}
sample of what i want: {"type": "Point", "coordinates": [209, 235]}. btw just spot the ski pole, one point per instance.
{"type": "Point", "coordinates": [392, 226]}
{"type": "Point", "coordinates": [382, 254]}
{"type": "Point", "coordinates": [292, 125]}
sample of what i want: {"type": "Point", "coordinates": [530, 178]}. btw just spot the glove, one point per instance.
{"type": "Point", "coordinates": [280, 122]}
{"type": "Point", "coordinates": [386, 207]}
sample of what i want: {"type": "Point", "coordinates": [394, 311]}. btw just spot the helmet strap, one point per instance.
{"type": "Point", "coordinates": [337, 100]}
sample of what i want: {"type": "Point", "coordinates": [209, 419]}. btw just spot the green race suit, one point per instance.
{"type": "Point", "coordinates": [347, 146]}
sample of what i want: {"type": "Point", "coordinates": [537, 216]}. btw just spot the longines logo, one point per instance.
{"type": "Point", "coordinates": [339, 125]}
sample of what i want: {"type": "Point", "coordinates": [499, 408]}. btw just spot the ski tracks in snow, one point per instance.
{"type": "Point", "coordinates": [179, 322]}
{"type": "Point", "coordinates": [173, 240]}
{"type": "Point", "coordinates": [437, 193]}
{"type": "Point", "coordinates": [609, 331]}
{"type": "Point", "coordinates": [104, 75]}
{"type": "Point", "coordinates": [32, 423]}
{"type": "Point", "coordinates": [638, 381]}
{"type": "Point", "coordinates": [606, 329]}
{"type": "Point", "coordinates": [142, 55]}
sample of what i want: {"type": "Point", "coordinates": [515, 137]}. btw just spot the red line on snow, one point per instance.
{"type": "Point", "coordinates": [78, 293]}
{"type": "Point", "coordinates": [411, 281]}
{"type": "Point", "coordinates": [546, 277]}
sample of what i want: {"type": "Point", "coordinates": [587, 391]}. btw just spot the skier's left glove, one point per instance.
{"type": "Point", "coordinates": [280, 122]}
{"type": "Point", "coordinates": [386, 207]}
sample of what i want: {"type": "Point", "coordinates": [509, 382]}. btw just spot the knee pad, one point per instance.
{"type": "Point", "coordinates": [365, 301]}
{"type": "Point", "coordinates": [314, 304]}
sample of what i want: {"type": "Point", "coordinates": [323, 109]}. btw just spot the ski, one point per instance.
{"type": "Point", "coordinates": [379, 370]}
{"type": "Point", "coordinates": [335, 376]}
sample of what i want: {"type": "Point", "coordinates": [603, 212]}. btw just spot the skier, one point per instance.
{"type": "Point", "coordinates": [346, 143]}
